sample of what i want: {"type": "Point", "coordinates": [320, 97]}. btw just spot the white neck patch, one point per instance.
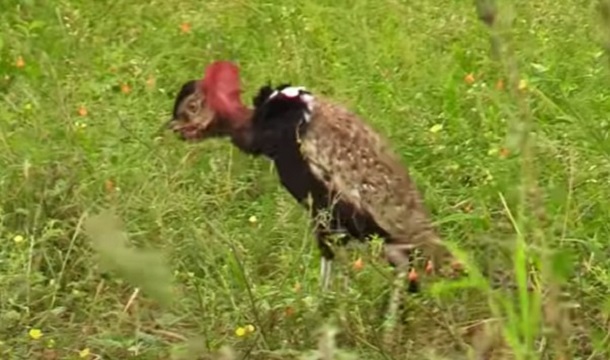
{"type": "Point", "coordinates": [302, 94]}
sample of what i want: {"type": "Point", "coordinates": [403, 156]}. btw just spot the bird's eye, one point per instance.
{"type": "Point", "coordinates": [192, 107]}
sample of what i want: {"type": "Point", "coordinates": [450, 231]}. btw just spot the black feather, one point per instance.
{"type": "Point", "coordinates": [263, 94]}
{"type": "Point", "coordinates": [276, 122]}
{"type": "Point", "coordinates": [188, 88]}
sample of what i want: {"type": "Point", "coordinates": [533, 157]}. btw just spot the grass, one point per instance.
{"type": "Point", "coordinates": [209, 243]}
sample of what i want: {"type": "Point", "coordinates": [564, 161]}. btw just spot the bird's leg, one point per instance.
{"type": "Point", "coordinates": [398, 256]}
{"type": "Point", "coordinates": [346, 282]}
{"type": "Point", "coordinates": [325, 272]}
{"type": "Point", "coordinates": [327, 256]}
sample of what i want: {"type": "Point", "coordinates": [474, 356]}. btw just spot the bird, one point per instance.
{"type": "Point", "coordinates": [326, 156]}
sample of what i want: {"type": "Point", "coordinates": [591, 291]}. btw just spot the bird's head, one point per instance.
{"type": "Point", "coordinates": [211, 106]}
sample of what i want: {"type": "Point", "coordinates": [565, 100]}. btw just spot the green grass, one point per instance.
{"type": "Point", "coordinates": [203, 269]}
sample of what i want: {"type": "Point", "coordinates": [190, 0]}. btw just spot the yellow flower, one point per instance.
{"type": "Point", "coordinates": [150, 82]}
{"type": "Point", "coordinates": [84, 353]}
{"type": "Point", "coordinates": [252, 219]}
{"type": "Point", "coordinates": [500, 84]}
{"type": "Point", "coordinates": [436, 128]}
{"type": "Point", "coordinates": [35, 334]}
{"type": "Point", "coordinates": [358, 264]}
{"type": "Point", "coordinates": [82, 111]}
{"type": "Point", "coordinates": [240, 331]}
{"type": "Point", "coordinates": [18, 239]}
{"type": "Point", "coordinates": [250, 328]}
{"type": "Point", "coordinates": [185, 27]}
{"type": "Point", "coordinates": [522, 84]}
{"type": "Point", "coordinates": [504, 152]}
{"type": "Point", "coordinates": [19, 62]}
{"type": "Point", "coordinates": [125, 88]}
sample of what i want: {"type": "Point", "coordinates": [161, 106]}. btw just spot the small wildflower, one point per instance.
{"type": "Point", "coordinates": [109, 186]}
{"type": "Point", "coordinates": [469, 79]}
{"type": "Point", "coordinates": [250, 328]}
{"type": "Point", "coordinates": [82, 111]}
{"type": "Point", "coordinates": [436, 128]}
{"type": "Point", "coordinates": [457, 265]}
{"type": "Point", "coordinates": [125, 88]}
{"type": "Point", "coordinates": [413, 275]}
{"type": "Point", "coordinates": [522, 84]}
{"type": "Point", "coordinates": [185, 28]}
{"type": "Point", "coordinates": [358, 264]}
{"type": "Point", "coordinates": [84, 353]}
{"type": "Point", "coordinates": [19, 63]}
{"type": "Point", "coordinates": [429, 267]}
{"type": "Point", "coordinates": [80, 125]}
{"type": "Point", "coordinates": [252, 219]}
{"type": "Point", "coordinates": [240, 331]}
{"type": "Point", "coordinates": [35, 334]}
{"type": "Point", "coordinates": [150, 82]}
{"type": "Point", "coordinates": [500, 85]}
{"type": "Point", "coordinates": [504, 152]}
{"type": "Point", "coordinates": [453, 167]}
{"type": "Point", "coordinates": [308, 301]}
{"type": "Point", "coordinates": [18, 239]}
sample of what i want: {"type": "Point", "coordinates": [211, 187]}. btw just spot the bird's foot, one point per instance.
{"type": "Point", "coordinates": [325, 273]}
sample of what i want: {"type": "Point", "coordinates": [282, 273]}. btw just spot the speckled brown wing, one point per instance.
{"type": "Point", "coordinates": [358, 164]}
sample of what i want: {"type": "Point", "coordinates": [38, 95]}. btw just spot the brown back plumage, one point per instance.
{"type": "Point", "coordinates": [359, 164]}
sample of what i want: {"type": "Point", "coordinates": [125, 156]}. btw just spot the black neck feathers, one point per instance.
{"type": "Point", "coordinates": [279, 118]}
